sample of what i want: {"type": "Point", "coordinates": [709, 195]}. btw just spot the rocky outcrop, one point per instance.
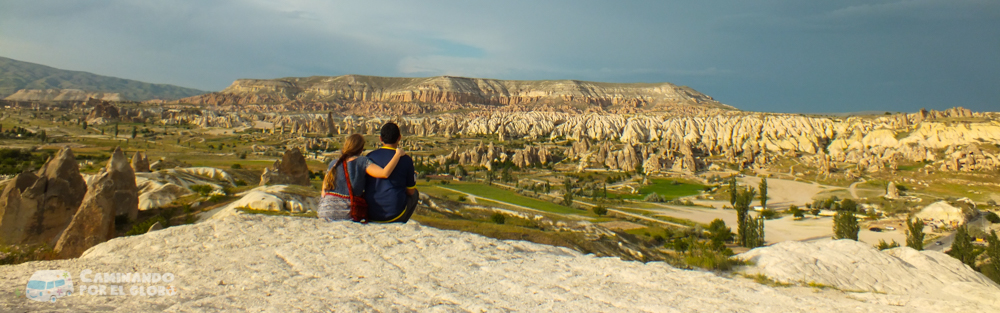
{"type": "Point", "coordinates": [291, 169]}
{"type": "Point", "coordinates": [140, 163]}
{"type": "Point", "coordinates": [277, 198]}
{"type": "Point", "coordinates": [62, 95]}
{"type": "Point", "coordinates": [679, 142]}
{"type": "Point", "coordinates": [891, 192]}
{"type": "Point", "coordinates": [113, 193]}
{"type": "Point", "coordinates": [448, 89]}
{"type": "Point", "coordinates": [126, 194]}
{"type": "Point", "coordinates": [102, 112]}
{"type": "Point", "coordinates": [858, 267]}
{"type": "Point", "coordinates": [94, 222]}
{"type": "Point", "coordinates": [36, 208]}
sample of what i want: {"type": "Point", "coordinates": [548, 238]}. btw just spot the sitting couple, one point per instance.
{"type": "Point", "coordinates": [385, 178]}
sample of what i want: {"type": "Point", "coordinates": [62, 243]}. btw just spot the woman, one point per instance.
{"type": "Point", "coordinates": [335, 204]}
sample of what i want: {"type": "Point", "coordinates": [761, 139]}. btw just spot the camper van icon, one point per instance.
{"type": "Point", "coordinates": [49, 285]}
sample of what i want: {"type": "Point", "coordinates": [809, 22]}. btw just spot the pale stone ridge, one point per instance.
{"type": "Point", "coordinates": [264, 263]}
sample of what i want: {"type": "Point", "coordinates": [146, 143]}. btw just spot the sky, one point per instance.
{"type": "Point", "coordinates": [766, 55]}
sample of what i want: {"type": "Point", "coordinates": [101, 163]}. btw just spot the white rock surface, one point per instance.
{"type": "Point", "coordinates": [269, 198]}
{"type": "Point", "coordinates": [854, 266]}
{"type": "Point", "coordinates": [282, 264]}
{"type": "Point", "coordinates": [942, 211]}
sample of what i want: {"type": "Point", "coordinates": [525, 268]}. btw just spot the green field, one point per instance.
{"type": "Point", "coordinates": [667, 188]}
{"type": "Point", "coordinates": [505, 195]}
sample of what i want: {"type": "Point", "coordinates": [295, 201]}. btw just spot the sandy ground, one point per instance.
{"type": "Point", "coordinates": [281, 264]}
{"type": "Point", "coordinates": [781, 229]}
{"type": "Point", "coordinates": [783, 192]}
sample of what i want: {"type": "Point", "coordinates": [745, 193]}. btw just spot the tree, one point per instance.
{"type": "Point", "coordinates": [755, 236]}
{"type": "Point", "coordinates": [763, 192]}
{"type": "Point", "coordinates": [733, 193]}
{"type": "Point", "coordinates": [567, 199]}
{"type": "Point", "coordinates": [135, 132]}
{"type": "Point", "coordinates": [600, 210]}
{"type": "Point", "coordinates": [116, 130]}
{"type": "Point", "coordinates": [845, 224]}
{"type": "Point", "coordinates": [84, 125]}
{"type": "Point", "coordinates": [744, 224]}
{"type": "Point", "coordinates": [915, 233]}
{"type": "Point", "coordinates": [42, 136]}
{"type": "Point", "coordinates": [992, 269]}
{"type": "Point", "coordinates": [962, 248]}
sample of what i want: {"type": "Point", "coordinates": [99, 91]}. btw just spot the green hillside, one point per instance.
{"type": "Point", "coordinates": [16, 75]}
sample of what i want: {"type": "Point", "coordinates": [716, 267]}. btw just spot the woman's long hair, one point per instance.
{"type": "Point", "coordinates": [353, 146]}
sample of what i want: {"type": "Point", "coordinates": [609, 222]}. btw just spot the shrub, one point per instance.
{"type": "Point", "coordinates": [600, 210]}
{"type": "Point", "coordinates": [143, 227]}
{"type": "Point", "coordinates": [462, 198]}
{"type": "Point", "coordinates": [236, 166]}
{"type": "Point", "coordinates": [653, 197]}
{"type": "Point", "coordinates": [882, 245]}
{"type": "Point", "coordinates": [712, 260]}
{"type": "Point", "coordinates": [769, 214]}
{"type": "Point", "coordinates": [203, 190]}
{"type": "Point", "coordinates": [498, 218]}
{"type": "Point", "coordinates": [16, 254]}
{"type": "Point", "coordinates": [992, 217]}
{"type": "Point", "coordinates": [796, 212]}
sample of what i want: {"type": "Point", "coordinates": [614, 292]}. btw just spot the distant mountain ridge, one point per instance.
{"type": "Point", "coordinates": [450, 89]}
{"type": "Point", "coordinates": [41, 82]}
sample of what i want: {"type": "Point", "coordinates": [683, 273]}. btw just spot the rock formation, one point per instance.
{"type": "Point", "coordinates": [36, 208]}
{"type": "Point", "coordinates": [103, 112]}
{"type": "Point", "coordinates": [891, 192]}
{"type": "Point", "coordinates": [140, 163]}
{"type": "Point", "coordinates": [679, 142]}
{"type": "Point", "coordinates": [448, 89]}
{"type": "Point", "coordinates": [856, 266]}
{"type": "Point", "coordinates": [113, 193]}
{"type": "Point", "coordinates": [291, 169]}
{"type": "Point", "coordinates": [126, 194]}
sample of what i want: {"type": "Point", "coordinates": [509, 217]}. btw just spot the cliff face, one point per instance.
{"type": "Point", "coordinates": [62, 95]}
{"type": "Point", "coordinates": [448, 90]}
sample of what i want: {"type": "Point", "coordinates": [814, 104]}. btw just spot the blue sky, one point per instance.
{"type": "Point", "coordinates": [767, 55]}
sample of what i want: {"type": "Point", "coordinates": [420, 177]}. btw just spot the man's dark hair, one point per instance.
{"type": "Point", "coordinates": [390, 133]}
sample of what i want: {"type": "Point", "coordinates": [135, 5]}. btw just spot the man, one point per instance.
{"type": "Point", "coordinates": [393, 199]}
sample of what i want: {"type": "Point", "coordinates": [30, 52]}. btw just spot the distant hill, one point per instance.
{"type": "Point", "coordinates": [16, 75]}
{"type": "Point", "coordinates": [449, 89]}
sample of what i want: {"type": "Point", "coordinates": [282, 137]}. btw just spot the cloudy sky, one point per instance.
{"type": "Point", "coordinates": [765, 55]}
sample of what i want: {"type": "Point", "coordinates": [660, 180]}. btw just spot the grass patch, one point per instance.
{"type": "Point", "coordinates": [764, 280]}
{"type": "Point", "coordinates": [17, 254]}
{"type": "Point", "coordinates": [499, 194]}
